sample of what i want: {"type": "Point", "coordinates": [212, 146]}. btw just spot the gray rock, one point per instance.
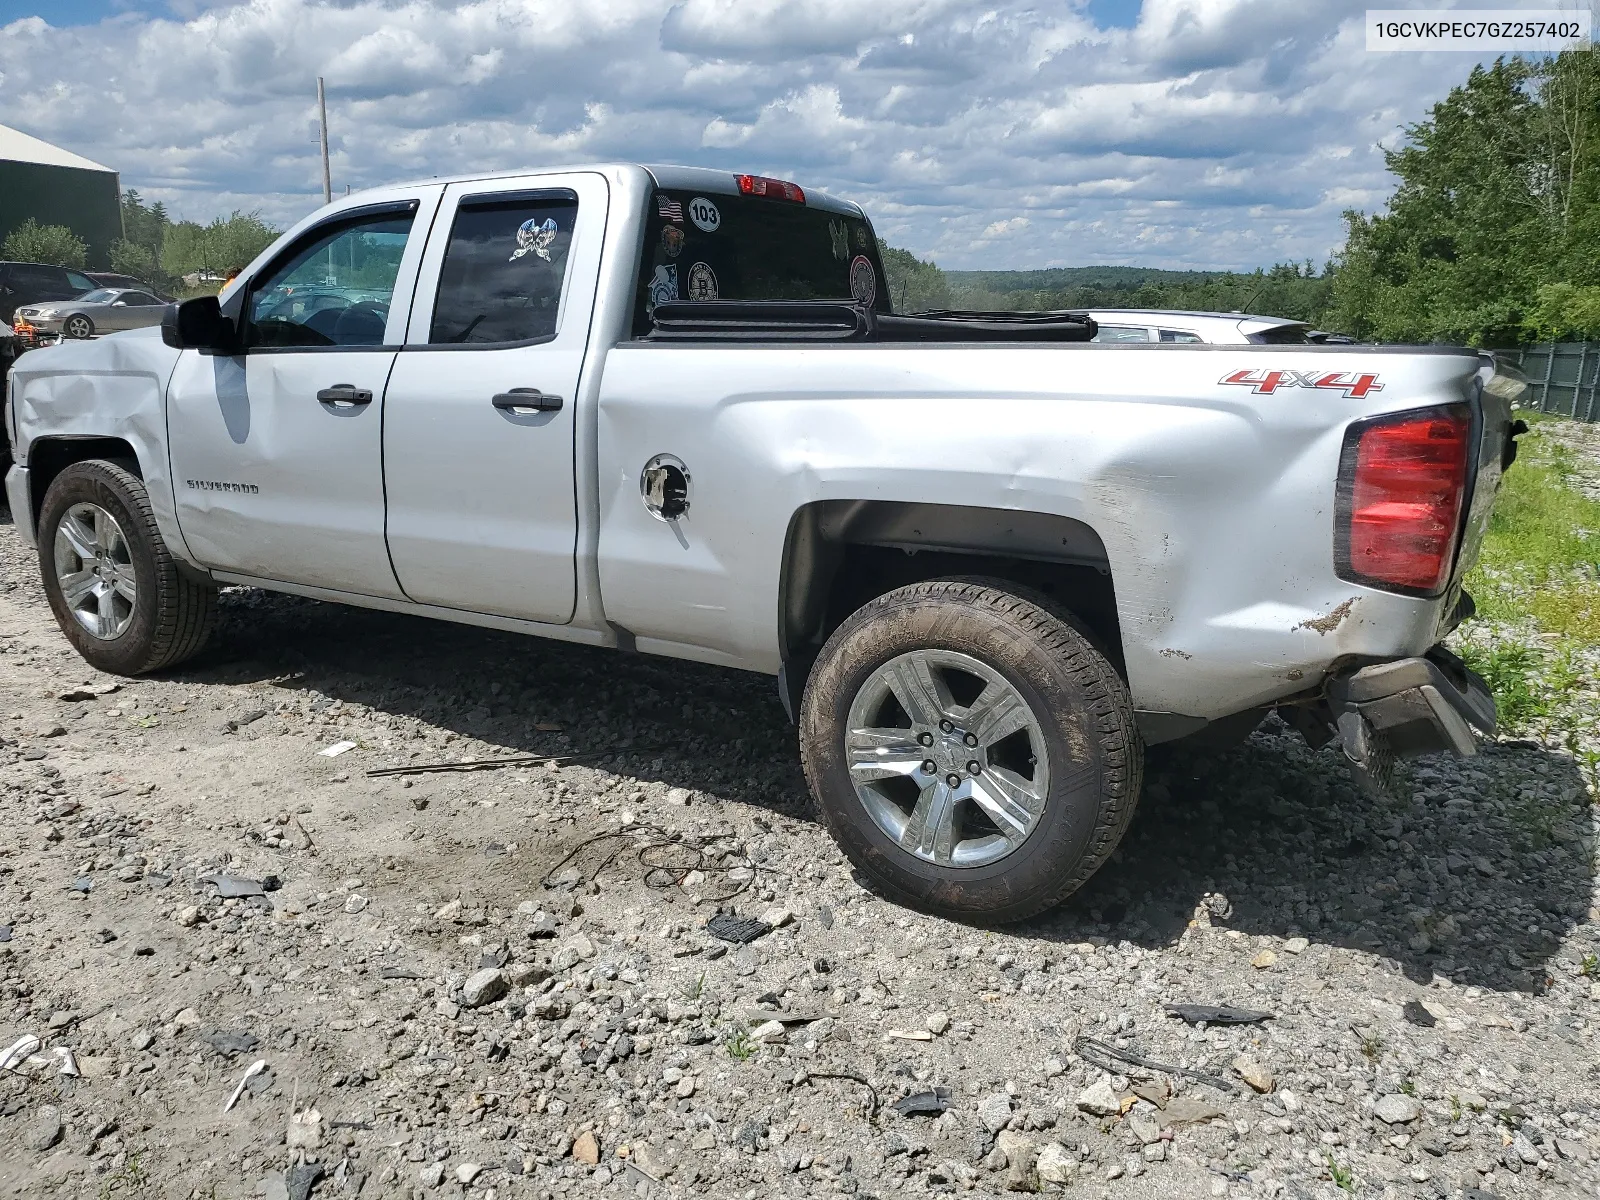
{"type": "Point", "coordinates": [994, 1111]}
{"type": "Point", "coordinates": [1056, 1164]}
{"type": "Point", "coordinates": [1397, 1108]}
{"type": "Point", "coordinates": [1099, 1100]}
{"type": "Point", "coordinates": [432, 1175]}
{"type": "Point", "coordinates": [484, 987]}
{"type": "Point", "coordinates": [45, 1130]}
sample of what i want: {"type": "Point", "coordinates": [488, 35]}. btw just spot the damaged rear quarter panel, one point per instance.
{"type": "Point", "coordinates": [1215, 505]}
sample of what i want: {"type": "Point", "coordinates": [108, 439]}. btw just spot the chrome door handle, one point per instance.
{"type": "Point", "coordinates": [344, 395]}
{"type": "Point", "coordinates": [523, 401]}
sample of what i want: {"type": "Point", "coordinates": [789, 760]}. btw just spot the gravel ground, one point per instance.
{"type": "Point", "coordinates": [437, 1019]}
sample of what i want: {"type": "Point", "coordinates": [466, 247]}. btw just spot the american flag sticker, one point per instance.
{"type": "Point", "coordinates": [672, 210]}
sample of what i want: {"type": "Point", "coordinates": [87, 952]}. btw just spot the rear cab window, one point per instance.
{"type": "Point", "coordinates": [706, 245]}
{"type": "Point", "coordinates": [1121, 333]}
{"type": "Point", "coordinates": [1181, 336]}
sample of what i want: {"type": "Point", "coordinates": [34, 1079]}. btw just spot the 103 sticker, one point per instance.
{"type": "Point", "coordinates": [704, 214]}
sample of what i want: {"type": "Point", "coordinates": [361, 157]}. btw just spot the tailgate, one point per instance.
{"type": "Point", "coordinates": [1499, 387]}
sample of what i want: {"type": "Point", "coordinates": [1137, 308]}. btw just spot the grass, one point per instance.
{"type": "Point", "coordinates": [1372, 1047]}
{"type": "Point", "coordinates": [1342, 1177]}
{"type": "Point", "coordinates": [739, 1045]}
{"type": "Point", "coordinates": [1541, 555]}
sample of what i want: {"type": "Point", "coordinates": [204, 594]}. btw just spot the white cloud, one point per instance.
{"type": "Point", "coordinates": [1215, 133]}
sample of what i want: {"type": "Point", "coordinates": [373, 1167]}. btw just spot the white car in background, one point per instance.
{"type": "Point", "coordinates": [1144, 326]}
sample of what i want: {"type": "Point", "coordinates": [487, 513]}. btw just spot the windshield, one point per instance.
{"type": "Point", "coordinates": [701, 246]}
{"type": "Point", "coordinates": [99, 296]}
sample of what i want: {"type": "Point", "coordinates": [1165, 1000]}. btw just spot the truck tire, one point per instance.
{"type": "Point", "coordinates": [115, 589]}
{"type": "Point", "coordinates": [1029, 733]}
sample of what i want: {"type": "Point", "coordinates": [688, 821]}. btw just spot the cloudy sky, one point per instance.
{"type": "Point", "coordinates": [983, 133]}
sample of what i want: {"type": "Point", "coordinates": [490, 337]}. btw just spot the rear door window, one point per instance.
{"type": "Point", "coordinates": [41, 283]}
{"type": "Point", "coordinates": [80, 283]}
{"type": "Point", "coordinates": [503, 270]}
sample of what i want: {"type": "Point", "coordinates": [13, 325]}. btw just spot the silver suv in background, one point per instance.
{"type": "Point", "coordinates": [1144, 326]}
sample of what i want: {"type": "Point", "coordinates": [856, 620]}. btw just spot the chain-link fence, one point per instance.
{"type": "Point", "coordinates": [1563, 377]}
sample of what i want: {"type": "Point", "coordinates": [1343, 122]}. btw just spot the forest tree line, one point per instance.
{"type": "Point", "coordinates": [1490, 238]}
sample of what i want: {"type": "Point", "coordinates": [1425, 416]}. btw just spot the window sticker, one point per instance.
{"type": "Point", "coordinates": [669, 208]}
{"type": "Point", "coordinates": [861, 237]}
{"type": "Point", "coordinates": [672, 240]}
{"type": "Point", "coordinates": [702, 279]}
{"type": "Point", "coordinates": [534, 236]}
{"type": "Point", "coordinates": [839, 235]}
{"type": "Point", "coordinates": [664, 284]}
{"type": "Point", "coordinates": [705, 216]}
{"type": "Point", "coordinates": [863, 281]}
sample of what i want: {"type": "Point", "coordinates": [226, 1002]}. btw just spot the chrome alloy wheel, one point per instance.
{"type": "Point", "coordinates": [94, 569]}
{"type": "Point", "coordinates": [947, 758]}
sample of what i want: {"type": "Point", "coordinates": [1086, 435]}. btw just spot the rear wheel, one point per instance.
{"type": "Point", "coordinates": [78, 326]}
{"type": "Point", "coordinates": [116, 591]}
{"type": "Point", "coordinates": [970, 750]}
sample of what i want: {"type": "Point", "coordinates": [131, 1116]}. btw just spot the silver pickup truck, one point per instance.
{"type": "Point", "coordinates": [670, 411]}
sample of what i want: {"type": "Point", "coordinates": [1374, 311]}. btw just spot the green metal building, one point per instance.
{"type": "Point", "coordinates": [57, 187]}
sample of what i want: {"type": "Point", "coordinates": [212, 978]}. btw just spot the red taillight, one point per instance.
{"type": "Point", "coordinates": [772, 189]}
{"type": "Point", "coordinates": [1402, 483]}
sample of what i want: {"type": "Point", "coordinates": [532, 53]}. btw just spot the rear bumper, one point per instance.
{"type": "Point", "coordinates": [1411, 706]}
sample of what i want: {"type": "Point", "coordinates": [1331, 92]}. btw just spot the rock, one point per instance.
{"type": "Point", "coordinates": [45, 1130]}
{"type": "Point", "coordinates": [189, 916]}
{"type": "Point", "coordinates": [143, 1040]}
{"type": "Point", "coordinates": [1253, 1073]}
{"type": "Point", "coordinates": [777, 916]}
{"type": "Point", "coordinates": [1055, 1163]}
{"type": "Point", "coordinates": [299, 1179]}
{"type": "Point", "coordinates": [1155, 1151]}
{"type": "Point", "coordinates": [450, 911]}
{"type": "Point", "coordinates": [1099, 1100]}
{"type": "Point", "coordinates": [994, 1111]}
{"type": "Point", "coordinates": [305, 1130]}
{"type": "Point", "coordinates": [1297, 945]}
{"type": "Point", "coordinates": [1397, 1108]}
{"type": "Point", "coordinates": [185, 1018]}
{"type": "Point", "coordinates": [1053, 1068]}
{"type": "Point", "coordinates": [355, 903]}
{"type": "Point", "coordinates": [586, 1148]}
{"type": "Point", "coordinates": [432, 1175]}
{"type": "Point", "coordinates": [1144, 1126]}
{"type": "Point", "coordinates": [1524, 1149]}
{"type": "Point", "coordinates": [684, 1088]}
{"type": "Point", "coordinates": [1190, 1110]}
{"type": "Point", "coordinates": [650, 1160]}
{"type": "Point", "coordinates": [484, 987]}
{"type": "Point", "coordinates": [1016, 1147]}
{"type": "Point", "coordinates": [937, 1023]}
{"type": "Point", "coordinates": [770, 1031]}
{"type": "Point", "coordinates": [583, 947]}
{"type": "Point", "coordinates": [467, 1172]}
{"type": "Point", "coordinates": [1264, 960]}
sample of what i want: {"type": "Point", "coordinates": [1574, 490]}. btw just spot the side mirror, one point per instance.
{"type": "Point", "coordinates": [198, 324]}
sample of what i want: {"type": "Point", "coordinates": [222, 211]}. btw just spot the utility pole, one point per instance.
{"type": "Point", "coordinates": [322, 115]}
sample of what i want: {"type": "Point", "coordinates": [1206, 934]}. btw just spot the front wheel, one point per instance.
{"type": "Point", "coordinates": [78, 326]}
{"type": "Point", "coordinates": [114, 587]}
{"type": "Point", "coordinates": [970, 749]}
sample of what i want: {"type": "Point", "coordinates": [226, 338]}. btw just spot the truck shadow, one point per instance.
{"type": "Point", "coordinates": [1478, 873]}
{"type": "Point", "coordinates": [1477, 870]}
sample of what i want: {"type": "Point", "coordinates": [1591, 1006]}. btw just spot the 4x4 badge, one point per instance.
{"type": "Point", "coordinates": [1266, 382]}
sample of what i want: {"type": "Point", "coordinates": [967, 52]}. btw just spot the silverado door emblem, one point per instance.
{"type": "Point", "coordinates": [1266, 382]}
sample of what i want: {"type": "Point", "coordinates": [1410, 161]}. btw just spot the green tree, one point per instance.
{"type": "Point", "coordinates": [1496, 201]}
{"type": "Point", "coordinates": [215, 248]}
{"type": "Point", "coordinates": [131, 258]}
{"type": "Point", "coordinates": [915, 285]}
{"type": "Point", "coordinates": [53, 244]}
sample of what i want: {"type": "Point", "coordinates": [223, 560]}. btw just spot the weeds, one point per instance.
{"type": "Point", "coordinates": [1455, 1108]}
{"type": "Point", "coordinates": [1590, 968]}
{"type": "Point", "coordinates": [1509, 669]}
{"type": "Point", "coordinates": [1409, 1088]}
{"type": "Point", "coordinates": [1371, 1047]}
{"type": "Point", "coordinates": [739, 1045]}
{"type": "Point", "coordinates": [696, 989]}
{"type": "Point", "coordinates": [131, 1176]}
{"type": "Point", "coordinates": [1342, 1177]}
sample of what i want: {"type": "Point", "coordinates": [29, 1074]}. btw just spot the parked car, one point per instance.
{"type": "Point", "coordinates": [1165, 326]}
{"type": "Point", "coordinates": [104, 310]}
{"type": "Point", "coordinates": [110, 279]}
{"type": "Point", "coordinates": [31, 283]}
{"type": "Point", "coordinates": [669, 410]}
